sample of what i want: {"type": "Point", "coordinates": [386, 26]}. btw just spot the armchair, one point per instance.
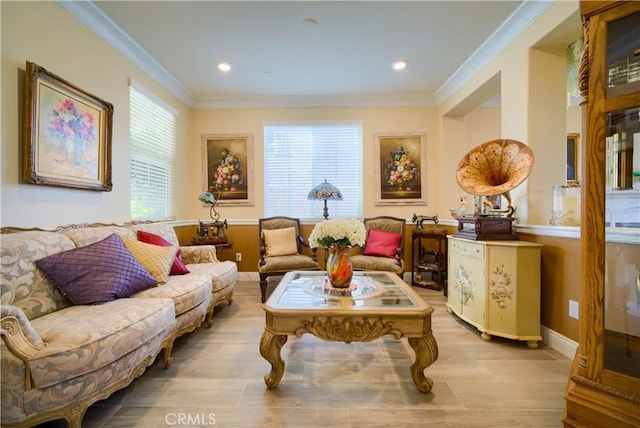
{"type": "Point", "coordinates": [384, 247]}
{"type": "Point", "coordinates": [281, 249]}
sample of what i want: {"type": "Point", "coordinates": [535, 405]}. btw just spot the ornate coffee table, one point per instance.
{"type": "Point", "coordinates": [379, 304]}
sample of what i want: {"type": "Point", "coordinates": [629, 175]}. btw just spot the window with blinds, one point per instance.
{"type": "Point", "coordinates": [152, 167]}
{"type": "Point", "coordinates": [299, 157]}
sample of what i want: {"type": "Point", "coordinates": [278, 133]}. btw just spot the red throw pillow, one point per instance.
{"type": "Point", "coordinates": [178, 267]}
{"type": "Point", "coordinates": [382, 244]}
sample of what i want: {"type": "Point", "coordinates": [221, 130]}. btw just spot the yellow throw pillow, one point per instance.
{"type": "Point", "coordinates": [280, 242]}
{"type": "Point", "coordinates": [156, 260]}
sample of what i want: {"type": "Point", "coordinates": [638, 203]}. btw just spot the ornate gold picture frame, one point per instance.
{"type": "Point", "coordinates": [401, 176]}
{"type": "Point", "coordinates": [228, 167]}
{"type": "Point", "coordinates": [67, 136]}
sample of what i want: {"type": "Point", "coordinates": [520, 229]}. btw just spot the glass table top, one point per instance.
{"type": "Point", "coordinates": [310, 290]}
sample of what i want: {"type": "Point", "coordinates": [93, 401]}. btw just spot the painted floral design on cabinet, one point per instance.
{"type": "Point", "coordinates": [463, 285]}
{"type": "Point", "coordinates": [500, 284]}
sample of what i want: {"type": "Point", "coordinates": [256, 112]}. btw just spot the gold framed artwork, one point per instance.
{"type": "Point", "coordinates": [228, 167]}
{"type": "Point", "coordinates": [67, 136]}
{"type": "Point", "coordinates": [401, 161]}
{"type": "Point", "coordinates": [573, 145]}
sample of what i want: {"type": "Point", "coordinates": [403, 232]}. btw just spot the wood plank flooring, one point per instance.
{"type": "Point", "coordinates": [216, 379]}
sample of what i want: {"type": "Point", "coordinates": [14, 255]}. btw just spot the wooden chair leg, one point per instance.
{"type": "Point", "coordinates": [263, 288]}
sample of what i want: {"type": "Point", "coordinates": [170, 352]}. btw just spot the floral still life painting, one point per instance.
{"type": "Point", "coordinates": [228, 168]}
{"type": "Point", "coordinates": [401, 159]}
{"type": "Point", "coordinates": [69, 129]}
{"type": "Point", "coordinates": [400, 171]}
{"type": "Point", "coordinates": [68, 137]}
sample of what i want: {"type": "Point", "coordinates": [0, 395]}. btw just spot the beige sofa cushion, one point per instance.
{"type": "Point", "coordinates": [164, 230]}
{"type": "Point", "coordinates": [186, 291]}
{"type": "Point", "coordinates": [84, 236]}
{"type": "Point", "coordinates": [83, 338]}
{"type": "Point", "coordinates": [221, 274]}
{"type": "Point", "coordinates": [22, 284]}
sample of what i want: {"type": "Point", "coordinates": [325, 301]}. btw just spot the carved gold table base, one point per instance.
{"type": "Point", "coordinates": [350, 329]}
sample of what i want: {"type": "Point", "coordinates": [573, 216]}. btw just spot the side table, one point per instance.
{"type": "Point", "coordinates": [428, 266]}
{"type": "Point", "coordinates": [220, 247]}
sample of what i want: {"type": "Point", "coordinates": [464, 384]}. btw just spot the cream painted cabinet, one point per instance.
{"type": "Point", "coordinates": [495, 286]}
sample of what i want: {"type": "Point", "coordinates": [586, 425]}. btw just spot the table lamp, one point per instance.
{"type": "Point", "coordinates": [325, 191]}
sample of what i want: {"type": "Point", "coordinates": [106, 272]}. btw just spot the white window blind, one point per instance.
{"type": "Point", "coordinates": [299, 157]}
{"type": "Point", "coordinates": [152, 168]}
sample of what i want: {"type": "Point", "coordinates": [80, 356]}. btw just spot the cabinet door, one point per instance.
{"type": "Point", "coordinates": [502, 276]}
{"type": "Point", "coordinates": [469, 284]}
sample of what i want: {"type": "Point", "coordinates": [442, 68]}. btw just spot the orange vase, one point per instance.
{"type": "Point", "coordinates": [339, 267]}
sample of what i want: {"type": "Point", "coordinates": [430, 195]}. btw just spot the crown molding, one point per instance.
{"type": "Point", "coordinates": [91, 16]}
{"type": "Point", "coordinates": [506, 33]}
{"type": "Point", "coordinates": [317, 101]}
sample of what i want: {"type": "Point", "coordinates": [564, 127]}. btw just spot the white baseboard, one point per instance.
{"type": "Point", "coordinates": [558, 342]}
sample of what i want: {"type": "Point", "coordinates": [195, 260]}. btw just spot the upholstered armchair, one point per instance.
{"type": "Point", "coordinates": [384, 248]}
{"type": "Point", "coordinates": [281, 249]}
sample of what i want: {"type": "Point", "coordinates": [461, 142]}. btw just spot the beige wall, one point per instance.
{"type": "Point", "coordinates": [374, 120]}
{"type": "Point", "coordinates": [44, 33]}
{"type": "Point", "coordinates": [532, 90]}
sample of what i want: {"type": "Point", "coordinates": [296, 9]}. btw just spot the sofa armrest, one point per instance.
{"type": "Point", "coordinates": [18, 334]}
{"type": "Point", "coordinates": [192, 254]}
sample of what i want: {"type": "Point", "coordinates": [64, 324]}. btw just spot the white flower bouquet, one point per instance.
{"type": "Point", "coordinates": [338, 232]}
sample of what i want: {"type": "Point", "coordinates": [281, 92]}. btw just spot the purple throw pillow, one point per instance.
{"type": "Point", "coordinates": [97, 273]}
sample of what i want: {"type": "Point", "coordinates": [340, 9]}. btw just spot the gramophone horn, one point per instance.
{"type": "Point", "coordinates": [495, 167]}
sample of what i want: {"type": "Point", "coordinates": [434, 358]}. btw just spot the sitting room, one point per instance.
{"type": "Point", "coordinates": [314, 213]}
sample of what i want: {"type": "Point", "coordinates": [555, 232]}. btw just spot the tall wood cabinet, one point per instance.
{"type": "Point", "coordinates": [604, 385]}
{"type": "Point", "coordinates": [495, 286]}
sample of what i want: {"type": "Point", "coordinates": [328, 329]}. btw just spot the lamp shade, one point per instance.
{"type": "Point", "coordinates": [325, 191]}
{"type": "Point", "coordinates": [207, 198]}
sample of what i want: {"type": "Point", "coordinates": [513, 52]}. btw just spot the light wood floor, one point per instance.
{"type": "Point", "coordinates": [216, 379]}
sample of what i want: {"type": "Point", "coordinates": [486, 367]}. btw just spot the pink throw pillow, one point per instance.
{"type": "Point", "coordinates": [178, 267]}
{"type": "Point", "coordinates": [382, 244]}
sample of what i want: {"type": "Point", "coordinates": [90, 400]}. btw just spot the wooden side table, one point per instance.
{"type": "Point", "coordinates": [429, 267]}
{"type": "Point", "coordinates": [220, 247]}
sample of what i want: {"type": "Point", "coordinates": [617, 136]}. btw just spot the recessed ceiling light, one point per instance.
{"type": "Point", "coordinates": [309, 23]}
{"type": "Point", "coordinates": [224, 66]}
{"type": "Point", "coordinates": [399, 65]}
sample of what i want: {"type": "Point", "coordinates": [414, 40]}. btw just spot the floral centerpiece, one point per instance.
{"type": "Point", "coordinates": [227, 175]}
{"type": "Point", "coordinates": [401, 169]}
{"type": "Point", "coordinates": [337, 235]}
{"type": "Point", "coordinates": [338, 232]}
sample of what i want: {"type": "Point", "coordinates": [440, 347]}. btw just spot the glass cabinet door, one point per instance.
{"type": "Point", "coordinates": [622, 199]}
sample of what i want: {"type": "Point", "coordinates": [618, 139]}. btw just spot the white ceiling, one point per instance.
{"type": "Point", "coordinates": [345, 60]}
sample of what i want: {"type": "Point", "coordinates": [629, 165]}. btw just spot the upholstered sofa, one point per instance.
{"type": "Point", "coordinates": [60, 354]}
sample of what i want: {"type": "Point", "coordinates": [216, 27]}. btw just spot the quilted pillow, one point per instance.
{"type": "Point", "coordinates": [382, 244]}
{"type": "Point", "coordinates": [178, 267]}
{"type": "Point", "coordinates": [280, 242]}
{"type": "Point", "coordinates": [98, 273]}
{"type": "Point", "coordinates": [156, 260]}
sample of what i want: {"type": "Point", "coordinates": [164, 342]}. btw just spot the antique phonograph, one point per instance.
{"type": "Point", "coordinates": [490, 170]}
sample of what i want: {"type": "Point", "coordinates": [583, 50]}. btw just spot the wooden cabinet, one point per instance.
{"type": "Point", "coordinates": [495, 286]}
{"type": "Point", "coordinates": [429, 258]}
{"type": "Point", "coordinates": [604, 385]}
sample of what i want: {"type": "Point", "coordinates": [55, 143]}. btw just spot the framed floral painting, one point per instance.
{"type": "Point", "coordinates": [401, 169]}
{"type": "Point", "coordinates": [228, 167]}
{"type": "Point", "coordinates": [67, 138]}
